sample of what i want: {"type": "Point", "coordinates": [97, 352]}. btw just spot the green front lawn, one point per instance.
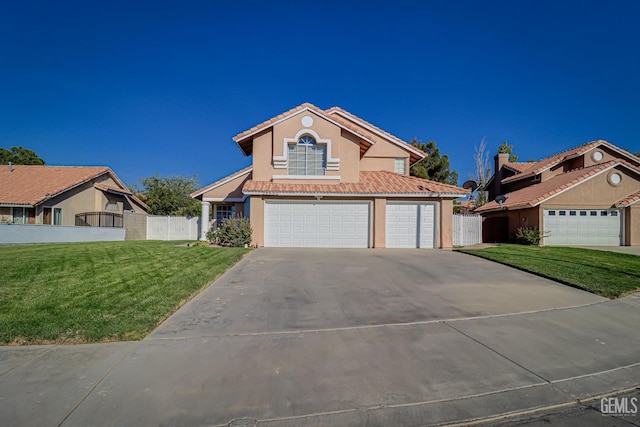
{"type": "Point", "coordinates": [107, 291]}
{"type": "Point", "coordinates": [604, 273]}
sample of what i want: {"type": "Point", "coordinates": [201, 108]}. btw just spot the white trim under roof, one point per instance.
{"type": "Point", "coordinates": [222, 182]}
{"type": "Point", "coordinates": [368, 127]}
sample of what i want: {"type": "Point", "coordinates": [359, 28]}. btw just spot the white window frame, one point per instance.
{"type": "Point", "coordinates": [14, 216]}
{"type": "Point", "coordinates": [53, 216]}
{"type": "Point", "coordinates": [308, 148]}
{"type": "Point", "coordinates": [400, 165]}
{"type": "Point", "coordinates": [282, 162]}
{"type": "Point", "coordinates": [229, 213]}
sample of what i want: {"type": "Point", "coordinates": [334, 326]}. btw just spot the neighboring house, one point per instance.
{"type": "Point", "coordinates": [585, 196]}
{"type": "Point", "coordinates": [64, 195]}
{"type": "Point", "coordinates": [326, 178]}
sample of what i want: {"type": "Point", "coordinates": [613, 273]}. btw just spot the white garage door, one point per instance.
{"type": "Point", "coordinates": [582, 227]}
{"type": "Point", "coordinates": [316, 224]}
{"type": "Point", "coordinates": [410, 225]}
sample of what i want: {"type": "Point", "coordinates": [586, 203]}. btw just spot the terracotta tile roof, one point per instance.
{"type": "Point", "coordinates": [221, 181]}
{"type": "Point", "coordinates": [629, 200]}
{"type": "Point", "coordinates": [519, 167]}
{"type": "Point", "coordinates": [267, 123]}
{"type": "Point", "coordinates": [537, 193]}
{"type": "Point", "coordinates": [371, 182]}
{"type": "Point", "coordinates": [31, 185]}
{"type": "Point", "coordinates": [544, 164]}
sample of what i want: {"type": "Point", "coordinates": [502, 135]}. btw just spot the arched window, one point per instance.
{"type": "Point", "coordinates": [307, 158]}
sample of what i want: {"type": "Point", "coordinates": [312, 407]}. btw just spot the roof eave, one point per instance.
{"type": "Point", "coordinates": [221, 182]}
{"type": "Point", "coordinates": [352, 194]}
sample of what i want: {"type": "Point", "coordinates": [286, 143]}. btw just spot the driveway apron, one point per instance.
{"type": "Point", "coordinates": [352, 337]}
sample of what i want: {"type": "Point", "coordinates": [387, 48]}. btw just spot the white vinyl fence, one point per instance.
{"type": "Point", "coordinates": [467, 230]}
{"type": "Point", "coordinates": [36, 233]}
{"type": "Point", "coordinates": [172, 228]}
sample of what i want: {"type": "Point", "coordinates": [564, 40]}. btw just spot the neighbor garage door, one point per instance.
{"type": "Point", "coordinates": [582, 227]}
{"type": "Point", "coordinates": [316, 224]}
{"type": "Point", "coordinates": [410, 225]}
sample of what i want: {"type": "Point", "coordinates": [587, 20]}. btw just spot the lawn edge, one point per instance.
{"type": "Point", "coordinates": [545, 276]}
{"type": "Point", "coordinates": [195, 293]}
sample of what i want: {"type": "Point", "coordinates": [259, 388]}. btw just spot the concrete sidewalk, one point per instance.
{"type": "Point", "coordinates": [207, 366]}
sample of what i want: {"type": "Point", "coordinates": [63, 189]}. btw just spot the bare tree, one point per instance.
{"type": "Point", "coordinates": [482, 173]}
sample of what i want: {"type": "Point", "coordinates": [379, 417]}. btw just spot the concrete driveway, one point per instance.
{"type": "Point", "coordinates": [341, 337]}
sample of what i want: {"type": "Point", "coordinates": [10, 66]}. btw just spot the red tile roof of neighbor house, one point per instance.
{"type": "Point", "coordinates": [535, 194]}
{"type": "Point", "coordinates": [31, 185]}
{"type": "Point", "coordinates": [371, 182]}
{"type": "Point", "coordinates": [533, 168]}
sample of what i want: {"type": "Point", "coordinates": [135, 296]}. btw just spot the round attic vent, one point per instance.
{"type": "Point", "coordinates": [615, 178]}
{"type": "Point", "coordinates": [307, 121]}
{"type": "Point", "coordinates": [597, 156]}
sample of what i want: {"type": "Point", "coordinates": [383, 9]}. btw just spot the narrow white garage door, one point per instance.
{"type": "Point", "coordinates": [580, 227]}
{"type": "Point", "coordinates": [316, 224]}
{"type": "Point", "coordinates": [410, 225]}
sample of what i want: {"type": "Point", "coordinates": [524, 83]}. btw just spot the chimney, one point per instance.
{"type": "Point", "coordinates": [10, 167]}
{"type": "Point", "coordinates": [500, 160]}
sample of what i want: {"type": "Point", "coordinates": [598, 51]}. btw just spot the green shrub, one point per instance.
{"type": "Point", "coordinates": [235, 232]}
{"type": "Point", "coordinates": [528, 236]}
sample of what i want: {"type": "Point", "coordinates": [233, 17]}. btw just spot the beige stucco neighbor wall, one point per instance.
{"type": "Point", "coordinates": [86, 198]}
{"type": "Point", "coordinates": [597, 192]}
{"type": "Point", "coordinates": [80, 199]}
{"type": "Point", "coordinates": [632, 225]}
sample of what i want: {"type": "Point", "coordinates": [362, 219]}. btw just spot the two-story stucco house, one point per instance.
{"type": "Point", "coordinates": [326, 178]}
{"type": "Point", "coordinates": [585, 196]}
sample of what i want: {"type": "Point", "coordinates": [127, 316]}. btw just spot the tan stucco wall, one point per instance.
{"type": "Point", "coordinates": [632, 225]}
{"type": "Point", "coordinates": [382, 155]}
{"type": "Point", "coordinates": [263, 156]}
{"type": "Point", "coordinates": [271, 142]}
{"type": "Point", "coordinates": [256, 207]}
{"type": "Point", "coordinates": [80, 199]}
{"type": "Point", "coordinates": [232, 189]}
{"type": "Point", "coordinates": [607, 155]}
{"type": "Point", "coordinates": [445, 229]}
{"type": "Point", "coordinates": [379, 222]}
{"type": "Point", "coordinates": [597, 192]}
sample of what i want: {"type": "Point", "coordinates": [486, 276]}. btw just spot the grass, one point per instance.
{"type": "Point", "coordinates": [608, 274]}
{"type": "Point", "coordinates": [97, 292]}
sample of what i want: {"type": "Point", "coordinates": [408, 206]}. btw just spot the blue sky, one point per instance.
{"type": "Point", "coordinates": [162, 87]}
